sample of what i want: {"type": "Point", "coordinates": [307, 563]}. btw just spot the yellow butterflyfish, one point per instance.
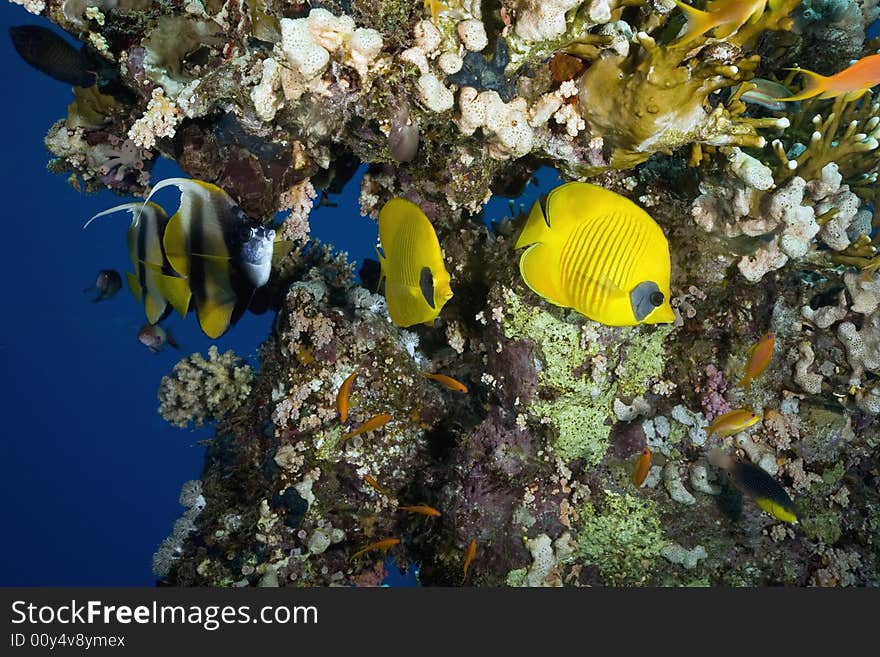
{"type": "Point", "coordinates": [416, 280]}
{"type": "Point", "coordinates": [599, 253]}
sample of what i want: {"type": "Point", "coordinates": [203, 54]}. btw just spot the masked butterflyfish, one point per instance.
{"type": "Point", "coordinates": [223, 254]}
{"type": "Point", "coordinates": [153, 282]}
{"type": "Point", "coordinates": [416, 281]}
{"type": "Point", "coordinates": [599, 253]}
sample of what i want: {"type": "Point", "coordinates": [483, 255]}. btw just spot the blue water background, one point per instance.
{"type": "Point", "coordinates": [89, 472]}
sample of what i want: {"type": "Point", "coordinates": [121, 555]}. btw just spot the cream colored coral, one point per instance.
{"type": "Point", "coordinates": [33, 6]}
{"type": "Point", "coordinates": [160, 120]}
{"type": "Point", "coordinates": [200, 390]}
{"type": "Point", "coordinates": [507, 122]}
{"type": "Point", "coordinates": [265, 95]}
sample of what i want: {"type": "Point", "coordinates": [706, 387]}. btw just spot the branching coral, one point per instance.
{"type": "Point", "coordinates": [200, 390]}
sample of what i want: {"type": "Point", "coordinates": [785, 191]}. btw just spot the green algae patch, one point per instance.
{"type": "Point", "coordinates": [585, 366]}
{"type": "Point", "coordinates": [622, 540]}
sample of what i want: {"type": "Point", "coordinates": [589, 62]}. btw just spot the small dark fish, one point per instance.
{"type": "Point", "coordinates": [106, 285]}
{"type": "Point", "coordinates": [51, 54]}
{"type": "Point", "coordinates": [768, 493]}
{"type": "Point", "coordinates": [154, 336]}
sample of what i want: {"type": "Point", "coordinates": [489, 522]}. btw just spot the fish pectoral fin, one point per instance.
{"type": "Point", "coordinates": [177, 291]}
{"type": "Point", "coordinates": [212, 258]}
{"type": "Point", "coordinates": [536, 265]}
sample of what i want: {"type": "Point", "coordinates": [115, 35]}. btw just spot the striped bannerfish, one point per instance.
{"type": "Point", "coordinates": [153, 282]}
{"type": "Point", "coordinates": [599, 253]}
{"type": "Point", "coordinates": [222, 253]}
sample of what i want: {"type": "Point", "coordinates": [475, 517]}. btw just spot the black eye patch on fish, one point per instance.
{"type": "Point", "coordinates": [426, 284]}
{"type": "Point", "coordinates": [644, 298]}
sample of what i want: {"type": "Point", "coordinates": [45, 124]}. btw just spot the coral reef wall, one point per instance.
{"type": "Point", "coordinates": [770, 215]}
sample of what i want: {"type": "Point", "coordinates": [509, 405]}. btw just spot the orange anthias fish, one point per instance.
{"type": "Point", "coordinates": [759, 358]}
{"type": "Point", "coordinates": [342, 396]}
{"type": "Point", "coordinates": [725, 16]}
{"type": "Point", "coordinates": [643, 465]}
{"type": "Point", "coordinates": [374, 422]}
{"type": "Point", "coordinates": [384, 544]}
{"type": "Point", "coordinates": [733, 422]}
{"type": "Point", "coordinates": [376, 486]}
{"type": "Point", "coordinates": [424, 509]}
{"type": "Point", "coordinates": [851, 83]}
{"type": "Point", "coordinates": [469, 555]}
{"type": "Point", "coordinates": [448, 382]}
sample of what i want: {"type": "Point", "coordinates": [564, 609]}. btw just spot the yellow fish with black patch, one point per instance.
{"type": "Point", "coordinates": [416, 280]}
{"type": "Point", "coordinates": [752, 480]}
{"type": "Point", "coordinates": [224, 254]}
{"type": "Point", "coordinates": [153, 281]}
{"type": "Point", "coordinates": [599, 253]}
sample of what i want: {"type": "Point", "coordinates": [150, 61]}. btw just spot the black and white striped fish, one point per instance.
{"type": "Point", "coordinates": [222, 253]}
{"type": "Point", "coordinates": [153, 281]}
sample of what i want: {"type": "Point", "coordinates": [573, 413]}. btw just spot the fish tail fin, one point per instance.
{"type": "Point", "coordinates": [382, 268]}
{"type": "Point", "coordinates": [536, 228]}
{"type": "Point", "coordinates": [815, 84]}
{"type": "Point", "coordinates": [698, 22]}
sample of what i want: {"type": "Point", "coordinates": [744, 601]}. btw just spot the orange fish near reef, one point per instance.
{"type": "Point", "coordinates": [384, 544]}
{"type": "Point", "coordinates": [725, 16]}
{"type": "Point", "coordinates": [376, 486]}
{"type": "Point", "coordinates": [643, 465]}
{"type": "Point", "coordinates": [759, 358]}
{"type": "Point", "coordinates": [342, 396]}
{"type": "Point", "coordinates": [733, 422]}
{"type": "Point", "coordinates": [424, 509]}
{"type": "Point", "coordinates": [448, 382]}
{"type": "Point", "coordinates": [469, 555]}
{"type": "Point", "coordinates": [374, 422]}
{"type": "Point", "coordinates": [851, 83]}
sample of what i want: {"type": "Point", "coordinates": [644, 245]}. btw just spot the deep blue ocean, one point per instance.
{"type": "Point", "coordinates": [89, 472]}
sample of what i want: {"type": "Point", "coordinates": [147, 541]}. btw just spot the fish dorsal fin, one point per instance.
{"type": "Point", "coordinates": [571, 204]}
{"type": "Point", "coordinates": [136, 208]}
{"type": "Point", "coordinates": [538, 266]}
{"type": "Point", "coordinates": [536, 228]}
{"type": "Point", "coordinates": [426, 284]}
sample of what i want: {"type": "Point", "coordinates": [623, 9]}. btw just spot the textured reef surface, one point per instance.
{"type": "Point", "coordinates": [769, 208]}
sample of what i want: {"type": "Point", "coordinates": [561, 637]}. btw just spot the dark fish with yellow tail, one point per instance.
{"type": "Point", "coordinates": [599, 253]}
{"type": "Point", "coordinates": [643, 466]}
{"type": "Point", "coordinates": [153, 337]}
{"type": "Point", "coordinates": [753, 481]}
{"type": "Point", "coordinates": [384, 544]}
{"type": "Point", "coordinates": [51, 54]}
{"type": "Point", "coordinates": [448, 382]}
{"type": "Point", "coordinates": [469, 555]}
{"type": "Point", "coordinates": [760, 355]}
{"type": "Point", "coordinates": [153, 282]}
{"type": "Point", "coordinates": [224, 255]}
{"type": "Point", "coordinates": [733, 422]}
{"type": "Point", "coordinates": [342, 396]}
{"type": "Point", "coordinates": [375, 422]}
{"type": "Point", "coordinates": [107, 284]}
{"type": "Point", "coordinates": [416, 280]}
{"type": "Point", "coordinates": [424, 509]}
